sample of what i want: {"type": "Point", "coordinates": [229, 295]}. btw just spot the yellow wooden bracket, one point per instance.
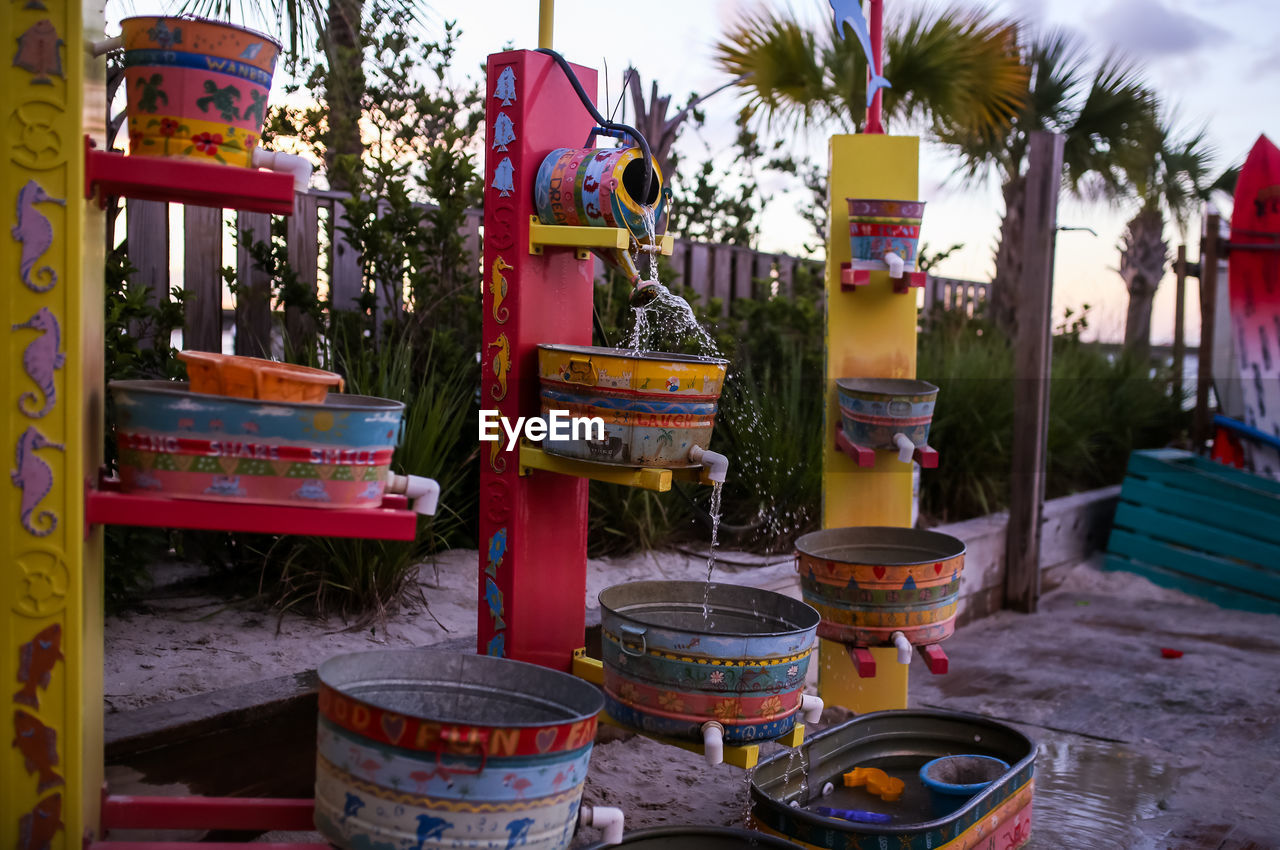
{"type": "Point", "coordinates": [644, 477]}
{"type": "Point", "coordinates": [745, 756]}
{"type": "Point", "coordinates": [584, 238]}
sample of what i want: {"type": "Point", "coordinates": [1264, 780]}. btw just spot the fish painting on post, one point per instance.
{"type": "Point", "coordinates": [36, 659]}
{"type": "Point", "coordinates": [37, 828]}
{"type": "Point", "coordinates": [39, 747]}
{"type": "Point", "coordinates": [850, 12]}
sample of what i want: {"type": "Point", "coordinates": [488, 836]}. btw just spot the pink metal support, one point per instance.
{"type": "Point", "coordinates": [851, 278]}
{"type": "Point", "coordinates": [876, 25]}
{"type": "Point", "coordinates": [865, 457]}
{"type": "Point", "coordinates": [934, 658]}
{"type": "Point", "coordinates": [909, 280]}
{"type": "Point", "coordinates": [926, 457]}
{"type": "Point", "coordinates": [863, 661]}
{"type": "Point", "coordinates": [246, 813]}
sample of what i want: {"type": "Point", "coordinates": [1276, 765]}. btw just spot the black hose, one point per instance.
{"type": "Point", "coordinates": [608, 125]}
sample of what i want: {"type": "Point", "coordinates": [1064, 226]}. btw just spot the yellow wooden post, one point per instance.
{"type": "Point", "coordinates": [51, 260]}
{"type": "Point", "coordinates": [871, 333]}
{"type": "Point", "coordinates": [546, 22]}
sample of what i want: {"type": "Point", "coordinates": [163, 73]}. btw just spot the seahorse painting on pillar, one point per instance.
{"type": "Point", "coordinates": [34, 477]}
{"type": "Point", "coordinates": [35, 233]}
{"type": "Point", "coordinates": [42, 357]}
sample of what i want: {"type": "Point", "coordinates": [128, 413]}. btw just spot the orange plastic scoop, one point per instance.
{"type": "Point", "coordinates": [886, 787]}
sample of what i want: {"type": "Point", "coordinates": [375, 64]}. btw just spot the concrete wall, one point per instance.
{"type": "Point", "coordinates": [1073, 528]}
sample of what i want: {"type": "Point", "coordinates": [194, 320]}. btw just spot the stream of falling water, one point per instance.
{"type": "Point", "coordinates": [670, 315]}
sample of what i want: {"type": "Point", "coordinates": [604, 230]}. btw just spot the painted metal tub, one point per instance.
{"type": "Point", "coordinates": [898, 742]}
{"type": "Point", "coordinates": [874, 409]}
{"type": "Point", "coordinates": [425, 749]}
{"type": "Point", "coordinates": [177, 443]}
{"type": "Point", "coordinates": [655, 406]}
{"type": "Point", "coordinates": [197, 88]}
{"type": "Point", "coordinates": [872, 581]}
{"type": "Point", "coordinates": [878, 227]}
{"type": "Point", "coordinates": [668, 668]}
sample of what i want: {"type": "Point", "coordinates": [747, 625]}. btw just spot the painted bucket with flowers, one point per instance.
{"type": "Point", "coordinates": [678, 654]}
{"type": "Point", "coordinates": [197, 88]}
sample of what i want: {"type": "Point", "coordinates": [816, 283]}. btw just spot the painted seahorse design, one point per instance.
{"type": "Point", "coordinates": [41, 359]}
{"type": "Point", "coordinates": [35, 478]}
{"type": "Point", "coordinates": [35, 233]}
{"type": "Point", "coordinates": [496, 463]}
{"type": "Point", "coordinates": [498, 288]}
{"type": "Point", "coordinates": [501, 365]}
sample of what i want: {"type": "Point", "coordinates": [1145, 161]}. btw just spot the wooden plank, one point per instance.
{"type": "Point", "coordinates": [786, 275]}
{"type": "Point", "coordinates": [678, 263]}
{"type": "Point", "coordinates": [1197, 563]}
{"type": "Point", "coordinates": [1148, 522]}
{"type": "Point", "coordinates": [1032, 358]}
{"type": "Point", "coordinates": [346, 276]}
{"type": "Point", "coordinates": [471, 241]}
{"type": "Point", "coordinates": [722, 276]}
{"type": "Point", "coordinates": [1195, 585]}
{"type": "Point", "coordinates": [700, 270]}
{"type": "Point", "coordinates": [304, 256]}
{"type": "Point", "coordinates": [1187, 476]}
{"type": "Point", "coordinates": [743, 269]}
{"type": "Point", "coordinates": [147, 231]}
{"type": "Point", "coordinates": [1179, 318]}
{"type": "Point", "coordinates": [1184, 504]}
{"type": "Point", "coordinates": [1201, 423]}
{"type": "Point", "coordinates": [253, 301]}
{"type": "Point", "coordinates": [762, 270]}
{"type": "Point", "coordinates": [202, 278]}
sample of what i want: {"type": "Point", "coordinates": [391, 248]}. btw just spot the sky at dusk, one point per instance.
{"type": "Point", "coordinates": [1214, 64]}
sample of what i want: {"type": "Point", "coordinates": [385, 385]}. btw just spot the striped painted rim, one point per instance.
{"type": "Point", "coordinates": [716, 662]}
{"type": "Point", "coordinates": [242, 450]}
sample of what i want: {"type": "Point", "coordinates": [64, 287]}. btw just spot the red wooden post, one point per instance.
{"type": "Point", "coordinates": [533, 530]}
{"type": "Point", "coordinates": [875, 65]}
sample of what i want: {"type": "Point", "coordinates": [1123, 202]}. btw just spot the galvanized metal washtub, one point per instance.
{"type": "Point", "coordinates": [898, 742]}
{"type": "Point", "coordinates": [655, 406]}
{"type": "Point", "coordinates": [182, 444]}
{"type": "Point", "coordinates": [873, 410]}
{"type": "Point", "coordinates": [669, 668]}
{"type": "Point", "coordinates": [878, 227]}
{"type": "Point", "coordinates": [422, 749]}
{"type": "Point", "coordinates": [870, 582]}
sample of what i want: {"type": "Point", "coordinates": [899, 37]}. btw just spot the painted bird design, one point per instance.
{"type": "Point", "coordinates": [498, 288]}
{"type": "Point", "coordinates": [35, 233]}
{"type": "Point", "coordinates": [850, 12]}
{"type": "Point", "coordinates": [35, 478]}
{"type": "Point", "coordinates": [40, 360]}
{"type": "Point", "coordinates": [37, 827]}
{"type": "Point", "coordinates": [36, 659]}
{"type": "Point", "coordinates": [518, 831]}
{"type": "Point", "coordinates": [39, 747]}
{"type": "Point", "coordinates": [430, 827]}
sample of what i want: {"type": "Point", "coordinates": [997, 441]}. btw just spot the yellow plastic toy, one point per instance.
{"type": "Point", "coordinates": [886, 787]}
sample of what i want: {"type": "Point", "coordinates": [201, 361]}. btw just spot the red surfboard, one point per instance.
{"type": "Point", "coordinates": [1255, 297]}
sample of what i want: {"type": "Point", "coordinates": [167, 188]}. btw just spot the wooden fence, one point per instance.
{"type": "Point", "coordinates": [726, 272]}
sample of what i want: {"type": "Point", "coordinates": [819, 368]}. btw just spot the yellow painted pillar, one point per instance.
{"type": "Point", "coordinates": [51, 266]}
{"type": "Point", "coordinates": [871, 333]}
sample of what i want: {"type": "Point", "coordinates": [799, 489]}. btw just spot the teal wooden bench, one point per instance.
{"type": "Point", "coordinates": [1188, 523]}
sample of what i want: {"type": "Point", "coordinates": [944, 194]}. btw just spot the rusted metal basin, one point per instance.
{"type": "Point", "coordinates": [900, 743]}
{"type": "Point", "coordinates": [427, 749]}
{"type": "Point", "coordinates": [655, 406]}
{"type": "Point", "coordinates": [668, 668]}
{"type": "Point", "coordinates": [870, 582]}
{"type": "Point", "coordinates": [874, 409]}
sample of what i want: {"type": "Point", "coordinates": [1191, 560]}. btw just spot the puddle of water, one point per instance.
{"type": "Point", "coordinates": [1093, 793]}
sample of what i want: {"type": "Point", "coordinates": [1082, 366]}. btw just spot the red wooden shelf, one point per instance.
{"type": "Point", "coordinates": [239, 813]}
{"type": "Point", "coordinates": [851, 279]}
{"type": "Point", "coordinates": [108, 506]}
{"type": "Point", "coordinates": [934, 658]}
{"type": "Point", "coordinates": [156, 178]}
{"type": "Point", "coordinates": [863, 661]}
{"type": "Point", "coordinates": [866, 457]}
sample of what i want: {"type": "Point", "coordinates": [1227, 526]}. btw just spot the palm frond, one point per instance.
{"type": "Point", "coordinates": [785, 82]}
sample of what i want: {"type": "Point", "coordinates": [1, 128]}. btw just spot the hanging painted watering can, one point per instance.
{"type": "Point", "coordinates": [592, 187]}
{"type": "Point", "coordinates": [197, 90]}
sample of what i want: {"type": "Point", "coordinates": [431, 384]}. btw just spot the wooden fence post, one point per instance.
{"type": "Point", "coordinates": [1032, 360]}
{"type": "Point", "coordinates": [253, 302]}
{"type": "Point", "coordinates": [202, 278]}
{"type": "Point", "coordinates": [1201, 424]}
{"type": "Point", "coordinates": [304, 257]}
{"type": "Point", "coordinates": [147, 231]}
{"type": "Point", "coordinates": [1179, 319]}
{"type": "Point", "coordinates": [346, 275]}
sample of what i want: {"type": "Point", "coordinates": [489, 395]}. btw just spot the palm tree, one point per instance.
{"type": "Point", "coordinates": [957, 69]}
{"type": "Point", "coordinates": [1171, 183]}
{"type": "Point", "coordinates": [1107, 115]}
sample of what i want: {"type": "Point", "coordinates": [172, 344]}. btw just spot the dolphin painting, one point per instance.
{"type": "Point", "coordinates": [850, 12]}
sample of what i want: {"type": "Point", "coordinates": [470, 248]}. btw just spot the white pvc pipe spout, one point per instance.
{"type": "Point", "coordinates": [605, 818]}
{"type": "Point", "coordinates": [906, 448]}
{"type": "Point", "coordinates": [811, 707]}
{"type": "Point", "coordinates": [717, 465]}
{"type": "Point", "coordinates": [423, 492]}
{"type": "Point", "coordinates": [896, 265]}
{"type": "Point", "coordinates": [713, 742]}
{"type": "Point", "coordinates": [286, 163]}
{"type": "Point", "coordinates": [904, 647]}
{"type": "Point", "coordinates": [102, 46]}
